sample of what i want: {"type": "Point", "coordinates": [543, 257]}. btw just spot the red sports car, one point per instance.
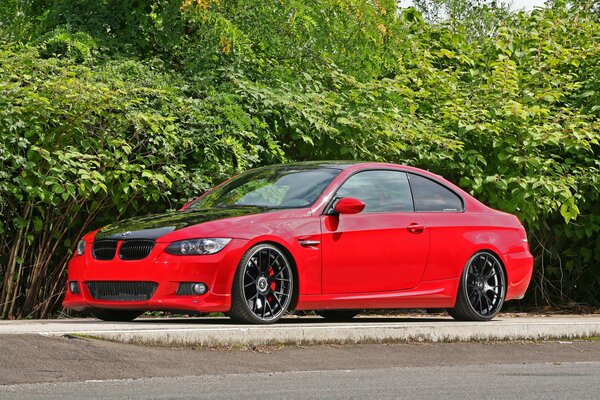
{"type": "Point", "coordinates": [335, 237]}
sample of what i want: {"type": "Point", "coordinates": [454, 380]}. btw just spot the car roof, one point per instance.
{"type": "Point", "coordinates": [316, 164]}
{"type": "Point", "coordinates": [341, 165]}
{"type": "Point", "coordinates": [353, 165]}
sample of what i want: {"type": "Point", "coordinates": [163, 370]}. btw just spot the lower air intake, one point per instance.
{"type": "Point", "coordinates": [121, 290]}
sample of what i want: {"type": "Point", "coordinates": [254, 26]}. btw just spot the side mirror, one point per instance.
{"type": "Point", "coordinates": [349, 205]}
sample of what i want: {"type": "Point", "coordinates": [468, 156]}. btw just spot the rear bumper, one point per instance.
{"type": "Point", "coordinates": [168, 271]}
{"type": "Point", "coordinates": [519, 268]}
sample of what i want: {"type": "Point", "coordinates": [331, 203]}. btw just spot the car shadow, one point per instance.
{"type": "Point", "coordinates": [288, 321]}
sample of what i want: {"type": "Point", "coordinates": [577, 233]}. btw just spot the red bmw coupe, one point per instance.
{"type": "Point", "coordinates": [335, 237]}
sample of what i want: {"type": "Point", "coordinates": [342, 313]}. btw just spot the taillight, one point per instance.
{"type": "Point", "coordinates": [523, 236]}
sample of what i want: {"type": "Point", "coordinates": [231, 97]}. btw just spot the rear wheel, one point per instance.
{"type": "Point", "coordinates": [482, 289]}
{"type": "Point", "coordinates": [337, 315]}
{"type": "Point", "coordinates": [116, 315]}
{"type": "Point", "coordinates": [263, 286]}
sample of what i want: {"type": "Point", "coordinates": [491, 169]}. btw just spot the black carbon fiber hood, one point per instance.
{"type": "Point", "coordinates": [155, 226]}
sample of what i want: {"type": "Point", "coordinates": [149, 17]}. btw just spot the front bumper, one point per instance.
{"type": "Point", "coordinates": [168, 271]}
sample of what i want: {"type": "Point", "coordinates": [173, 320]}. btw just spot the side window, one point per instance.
{"type": "Point", "coordinates": [431, 196]}
{"type": "Point", "coordinates": [380, 190]}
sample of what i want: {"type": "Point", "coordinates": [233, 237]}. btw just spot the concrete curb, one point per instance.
{"type": "Point", "coordinates": [352, 333]}
{"type": "Point", "coordinates": [304, 331]}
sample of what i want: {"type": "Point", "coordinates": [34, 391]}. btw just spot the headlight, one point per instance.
{"type": "Point", "coordinates": [197, 246]}
{"type": "Point", "coordinates": [80, 247]}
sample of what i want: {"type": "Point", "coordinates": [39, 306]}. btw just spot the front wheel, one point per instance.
{"type": "Point", "coordinates": [263, 286]}
{"type": "Point", "coordinates": [116, 315]}
{"type": "Point", "coordinates": [482, 289]}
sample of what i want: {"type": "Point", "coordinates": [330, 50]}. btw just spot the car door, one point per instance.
{"type": "Point", "coordinates": [442, 209]}
{"type": "Point", "coordinates": [383, 248]}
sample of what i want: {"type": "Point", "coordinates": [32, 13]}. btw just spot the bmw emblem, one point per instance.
{"type": "Point", "coordinates": [125, 234]}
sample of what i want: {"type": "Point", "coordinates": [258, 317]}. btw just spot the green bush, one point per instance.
{"type": "Point", "coordinates": [82, 145]}
{"type": "Point", "coordinates": [61, 43]}
{"type": "Point", "coordinates": [114, 108]}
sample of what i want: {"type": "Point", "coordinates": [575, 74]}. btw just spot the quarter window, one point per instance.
{"type": "Point", "coordinates": [433, 197]}
{"type": "Point", "coordinates": [380, 190]}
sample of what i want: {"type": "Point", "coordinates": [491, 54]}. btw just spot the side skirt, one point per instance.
{"type": "Point", "coordinates": [431, 294]}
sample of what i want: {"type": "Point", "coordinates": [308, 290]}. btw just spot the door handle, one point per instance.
{"type": "Point", "coordinates": [415, 228]}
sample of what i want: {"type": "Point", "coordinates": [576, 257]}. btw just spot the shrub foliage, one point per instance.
{"type": "Point", "coordinates": [117, 107]}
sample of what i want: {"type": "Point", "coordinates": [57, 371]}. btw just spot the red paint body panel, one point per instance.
{"type": "Point", "coordinates": [354, 261]}
{"type": "Point", "coordinates": [375, 252]}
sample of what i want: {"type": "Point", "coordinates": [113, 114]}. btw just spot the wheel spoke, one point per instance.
{"type": "Point", "coordinates": [255, 263]}
{"type": "Point", "coordinates": [482, 264]}
{"type": "Point", "coordinates": [264, 307]}
{"type": "Point", "coordinates": [278, 273]}
{"type": "Point", "coordinates": [490, 275]}
{"type": "Point", "coordinates": [267, 259]}
{"type": "Point", "coordinates": [281, 293]}
{"type": "Point", "coordinates": [261, 262]}
{"type": "Point", "coordinates": [487, 302]}
{"type": "Point", "coordinates": [274, 279]}
{"type": "Point", "coordinates": [272, 262]}
{"type": "Point", "coordinates": [477, 299]}
{"type": "Point", "coordinates": [473, 297]}
{"type": "Point", "coordinates": [485, 265]}
{"type": "Point", "coordinates": [254, 300]}
{"type": "Point", "coordinates": [276, 299]}
{"type": "Point", "coordinates": [493, 267]}
{"type": "Point", "coordinates": [495, 295]}
{"type": "Point", "coordinates": [252, 278]}
{"type": "Point", "coordinates": [271, 309]}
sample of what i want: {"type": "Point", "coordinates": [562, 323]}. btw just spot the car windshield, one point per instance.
{"type": "Point", "coordinates": [269, 187]}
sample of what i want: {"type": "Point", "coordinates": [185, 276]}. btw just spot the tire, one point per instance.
{"type": "Point", "coordinates": [117, 315]}
{"type": "Point", "coordinates": [482, 289]}
{"type": "Point", "coordinates": [263, 286]}
{"type": "Point", "coordinates": [337, 315]}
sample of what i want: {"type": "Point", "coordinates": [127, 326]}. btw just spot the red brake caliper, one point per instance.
{"type": "Point", "coordinates": [273, 284]}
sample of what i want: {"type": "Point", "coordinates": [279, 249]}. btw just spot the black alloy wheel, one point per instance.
{"type": "Point", "coordinates": [263, 286]}
{"type": "Point", "coordinates": [482, 289]}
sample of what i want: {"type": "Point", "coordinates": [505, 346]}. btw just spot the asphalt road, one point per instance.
{"type": "Point", "coordinates": [510, 381]}
{"type": "Point", "coordinates": [37, 366]}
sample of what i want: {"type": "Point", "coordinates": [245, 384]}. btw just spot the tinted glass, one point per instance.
{"type": "Point", "coordinates": [278, 187]}
{"type": "Point", "coordinates": [381, 191]}
{"type": "Point", "coordinates": [431, 196]}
